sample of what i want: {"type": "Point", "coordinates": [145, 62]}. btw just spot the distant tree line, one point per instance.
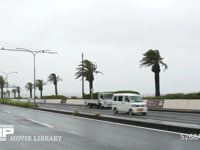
{"type": "Point", "coordinates": [52, 78]}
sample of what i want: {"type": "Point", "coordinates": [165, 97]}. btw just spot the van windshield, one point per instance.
{"type": "Point", "coordinates": [136, 99]}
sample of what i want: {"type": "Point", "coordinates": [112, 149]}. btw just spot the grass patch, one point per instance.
{"type": "Point", "coordinates": [177, 96]}
{"type": "Point", "coordinates": [17, 103]}
{"type": "Point", "coordinates": [95, 95]}
{"type": "Point", "coordinates": [55, 97]}
{"type": "Point", "coordinates": [75, 112]}
{"type": "Point", "coordinates": [96, 114]}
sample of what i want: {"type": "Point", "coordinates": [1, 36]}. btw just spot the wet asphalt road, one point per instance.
{"type": "Point", "coordinates": [84, 134]}
{"type": "Point", "coordinates": [190, 118]}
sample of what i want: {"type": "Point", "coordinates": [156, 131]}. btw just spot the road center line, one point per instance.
{"type": "Point", "coordinates": [44, 124]}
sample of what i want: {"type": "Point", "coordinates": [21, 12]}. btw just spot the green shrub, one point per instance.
{"type": "Point", "coordinates": [17, 103]}
{"type": "Point", "coordinates": [95, 95]}
{"type": "Point", "coordinates": [127, 91]}
{"type": "Point", "coordinates": [177, 96]}
{"type": "Point", "coordinates": [87, 96]}
{"type": "Point", "coordinates": [55, 97]}
{"type": "Point", "coordinates": [74, 97]}
{"type": "Point", "coordinates": [96, 114]}
{"type": "Point", "coordinates": [75, 112]}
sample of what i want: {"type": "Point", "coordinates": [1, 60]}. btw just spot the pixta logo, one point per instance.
{"type": "Point", "coordinates": [6, 130]}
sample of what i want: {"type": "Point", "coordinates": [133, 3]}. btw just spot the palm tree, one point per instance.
{"type": "Point", "coordinates": [8, 93]}
{"type": "Point", "coordinates": [14, 91]}
{"type": "Point", "coordinates": [152, 58]}
{"type": "Point", "coordinates": [40, 84]}
{"type": "Point", "coordinates": [29, 86]}
{"type": "Point", "coordinates": [87, 69]}
{"type": "Point", "coordinates": [2, 84]}
{"type": "Point", "coordinates": [4, 94]}
{"type": "Point", "coordinates": [18, 91]}
{"type": "Point", "coordinates": [54, 79]}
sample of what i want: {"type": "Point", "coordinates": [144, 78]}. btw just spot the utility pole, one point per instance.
{"type": "Point", "coordinates": [34, 53]}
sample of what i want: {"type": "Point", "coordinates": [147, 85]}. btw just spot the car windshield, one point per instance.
{"type": "Point", "coordinates": [107, 96]}
{"type": "Point", "coordinates": [136, 99]}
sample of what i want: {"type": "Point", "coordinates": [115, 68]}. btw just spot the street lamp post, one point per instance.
{"type": "Point", "coordinates": [34, 74]}
{"type": "Point", "coordinates": [34, 53]}
{"type": "Point", "coordinates": [7, 74]}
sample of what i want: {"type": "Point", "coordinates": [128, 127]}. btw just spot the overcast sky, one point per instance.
{"type": "Point", "coordinates": [112, 33]}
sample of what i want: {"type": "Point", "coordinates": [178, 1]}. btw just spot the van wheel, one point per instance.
{"type": "Point", "coordinates": [115, 110]}
{"type": "Point", "coordinates": [90, 105]}
{"type": "Point", "coordinates": [101, 106]}
{"type": "Point", "coordinates": [144, 113]}
{"type": "Point", "coordinates": [130, 112]}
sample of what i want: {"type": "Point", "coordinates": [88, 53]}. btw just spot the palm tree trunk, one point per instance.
{"type": "Point", "coordinates": [56, 89]}
{"type": "Point", "coordinates": [157, 84]}
{"type": "Point", "coordinates": [18, 94]}
{"type": "Point", "coordinates": [30, 93]}
{"type": "Point", "coordinates": [1, 92]}
{"type": "Point", "coordinates": [91, 88]}
{"type": "Point", "coordinates": [41, 94]}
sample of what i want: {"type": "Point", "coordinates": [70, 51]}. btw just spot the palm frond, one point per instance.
{"type": "Point", "coordinates": [151, 58]}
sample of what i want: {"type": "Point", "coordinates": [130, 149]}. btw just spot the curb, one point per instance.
{"type": "Point", "coordinates": [149, 108]}
{"type": "Point", "coordinates": [154, 125]}
{"type": "Point", "coordinates": [175, 110]}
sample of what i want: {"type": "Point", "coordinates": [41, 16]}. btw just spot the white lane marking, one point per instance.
{"type": "Point", "coordinates": [173, 113]}
{"type": "Point", "coordinates": [44, 124]}
{"type": "Point", "coordinates": [126, 125]}
{"type": "Point", "coordinates": [189, 117]}
{"type": "Point", "coordinates": [7, 111]}
{"type": "Point", "coordinates": [115, 123]}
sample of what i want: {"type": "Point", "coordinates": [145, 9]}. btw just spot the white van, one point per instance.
{"type": "Point", "coordinates": [128, 103]}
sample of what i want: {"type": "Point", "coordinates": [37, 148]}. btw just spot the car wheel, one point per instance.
{"type": "Point", "coordinates": [130, 112]}
{"type": "Point", "coordinates": [90, 105]}
{"type": "Point", "coordinates": [115, 110]}
{"type": "Point", "coordinates": [101, 106]}
{"type": "Point", "coordinates": [144, 113]}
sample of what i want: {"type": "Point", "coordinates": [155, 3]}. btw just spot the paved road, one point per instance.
{"type": "Point", "coordinates": [84, 134]}
{"type": "Point", "coordinates": [190, 118]}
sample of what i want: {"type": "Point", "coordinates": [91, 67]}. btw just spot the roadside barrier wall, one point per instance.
{"type": "Point", "coordinates": [53, 101]}
{"type": "Point", "coordinates": [186, 104]}
{"type": "Point", "coordinates": [75, 101]}
{"type": "Point", "coordinates": [178, 104]}
{"type": "Point", "coordinates": [194, 105]}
